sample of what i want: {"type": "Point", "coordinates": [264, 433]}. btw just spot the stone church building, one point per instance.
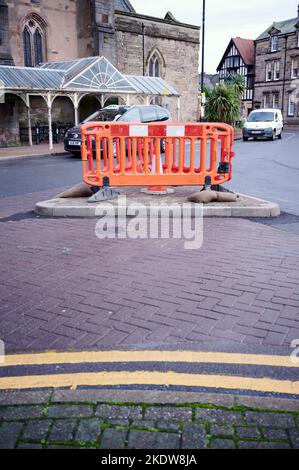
{"type": "Point", "coordinates": [33, 32]}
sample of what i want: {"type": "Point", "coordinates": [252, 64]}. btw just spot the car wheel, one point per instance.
{"type": "Point", "coordinates": [245, 139]}
{"type": "Point", "coordinates": [280, 136]}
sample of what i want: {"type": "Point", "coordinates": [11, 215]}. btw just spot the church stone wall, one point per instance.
{"type": "Point", "coordinates": [179, 48]}
{"type": "Point", "coordinates": [62, 28]}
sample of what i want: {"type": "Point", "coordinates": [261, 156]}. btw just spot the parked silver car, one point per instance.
{"type": "Point", "coordinates": [143, 114]}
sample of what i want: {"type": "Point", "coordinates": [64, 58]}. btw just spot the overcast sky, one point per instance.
{"type": "Point", "coordinates": [225, 19]}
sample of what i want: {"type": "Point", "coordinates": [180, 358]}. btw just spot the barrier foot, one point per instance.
{"type": "Point", "coordinates": [157, 190]}
{"type": "Point", "coordinates": [221, 189]}
{"type": "Point", "coordinates": [104, 194]}
{"type": "Point", "coordinates": [208, 184]}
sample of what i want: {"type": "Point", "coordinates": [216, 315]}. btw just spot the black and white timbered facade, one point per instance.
{"type": "Point", "coordinates": [238, 59]}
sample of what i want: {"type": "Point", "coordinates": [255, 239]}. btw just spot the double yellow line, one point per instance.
{"type": "Point", "coordinates": [147, 377]}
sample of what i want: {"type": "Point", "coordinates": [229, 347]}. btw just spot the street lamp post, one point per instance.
{"type": "Point", "coordinates": [203, 96]}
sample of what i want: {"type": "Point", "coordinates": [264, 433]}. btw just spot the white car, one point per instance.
{"type": "Point", "coordinates": [266, 123]}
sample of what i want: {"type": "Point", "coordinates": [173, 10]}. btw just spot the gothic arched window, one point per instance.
{"type": "Point", "coordinates": [154, 66]}
{"type": "Point", "coordinates": [27, 48]}
{"type": "Point", "coordinates": [38, 47]}
{"type": "Point", "coordinates": [34, 39]}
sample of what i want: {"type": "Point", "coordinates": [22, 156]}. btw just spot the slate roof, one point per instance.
{"type": "Point", "coordinates": [245, 48]}
{"type": "Point", "coordinates": [284, 27]}
{"type": "Point", "coordinates": [124, 5]}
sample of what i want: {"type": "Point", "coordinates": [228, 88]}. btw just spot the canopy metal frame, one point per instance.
{"type": "Point", "coordinates": [76, 79]}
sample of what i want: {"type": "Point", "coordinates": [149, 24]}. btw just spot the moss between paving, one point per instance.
{"type": "Point", "coordinates": [121, 425]}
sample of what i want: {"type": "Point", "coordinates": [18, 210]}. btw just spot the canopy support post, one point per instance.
{"type": "Point", "coordinates": [76, 108]}
{"type": "Point", "coordinates": [29, 120]}
{"type": "Point", "coordinates": [179, 108]}
{"type": "Point", "coordinates": [49, 104]}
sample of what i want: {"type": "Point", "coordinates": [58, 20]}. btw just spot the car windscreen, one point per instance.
{"type": "Point", "coordinates": [261, 117]}
{"type": "Point", "coordinates": [105, 115]}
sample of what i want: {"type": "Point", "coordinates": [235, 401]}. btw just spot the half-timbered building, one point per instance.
{"type": "Point", "coordinates": [238, 59]}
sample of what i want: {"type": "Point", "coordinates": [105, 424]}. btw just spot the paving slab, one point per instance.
{"type": "Point", "coordinates": [64, 289]}
{"type": "Point", "coordinates": [139, 421]}
{"type": "Point", "coordinates": [246, 206]}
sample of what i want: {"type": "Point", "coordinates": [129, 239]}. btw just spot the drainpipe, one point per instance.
{"type": "Point", "coordinates": [143, 49]}
{"type": "Point", "coordinates": [254, 66]}
{"type": "Point", "coordinates": [284, 73]}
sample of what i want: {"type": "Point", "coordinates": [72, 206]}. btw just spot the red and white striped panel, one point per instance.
{"type": "Point", "coordinates": [156, 130]}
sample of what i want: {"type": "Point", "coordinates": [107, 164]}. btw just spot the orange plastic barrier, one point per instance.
{"type": "Point", "coordinates": [160, 154]}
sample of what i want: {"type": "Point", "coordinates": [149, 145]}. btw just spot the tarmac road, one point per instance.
{"type": "Point", "coordinates": [269, 170]}
{"type": "Point", "coordinates": [264, 169]}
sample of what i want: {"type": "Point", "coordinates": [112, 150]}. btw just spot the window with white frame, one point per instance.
{"type": "Point", "coordinates": [276, 70]}
{"type": "Point", "coordinates": [34, 41]}
{"type": "Point", "coordinates": [274, 43]}
{"type": "Point", "coordinates": [292, 106]}
{"type": "Point", "coordinates": [266, 100]}
{"type": "Point", "coordinates": [268, 72]}
{"type": "Point", "coordinates": [295, 67]}
{"type": "Point", "coordinates": [275, 100]}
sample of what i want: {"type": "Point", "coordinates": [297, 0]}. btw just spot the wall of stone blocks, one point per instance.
{"type": "Point", "coordinates": [86, 34]}
{"type": "Point", "coordinates": [105, 24]}
{"type": "Point", "coordinates": [62, 28]}
{"type": "Point", "coordinates": [9, 123]}
{"type": "Point", "coordinates": [62, 111]}
{"type": "Point", "coordinates": [5, 54]}
{"type": "Point", "coordinates": [179, 47]}
{"type": "Point", "coordinates": [284, 87]}
{"type": "Point", "coordinates": [80, 28]}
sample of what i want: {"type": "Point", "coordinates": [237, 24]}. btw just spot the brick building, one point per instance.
{"type": "Point", "coordinates": [36, 31]}
{"type": "Point", "coordinates": [277, 69]}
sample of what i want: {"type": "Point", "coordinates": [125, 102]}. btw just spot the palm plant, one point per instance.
{"type": "Point", "coordinates": [239, 85]}
{"type": "Point", "coordinates": [223, 102]}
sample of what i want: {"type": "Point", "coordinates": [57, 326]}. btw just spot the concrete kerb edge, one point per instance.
{"type": "Point", "coordinates": [54, 208]}
{"type": "Point", "coordinates": [270, 207]}
{"type": "Point", "coordinates": [20, 157]}
{"type": "Point", "coordinates": [60, 396]}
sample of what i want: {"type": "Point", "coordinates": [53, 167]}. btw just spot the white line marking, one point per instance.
{"type": "Point", "coordinates": [291, 136]}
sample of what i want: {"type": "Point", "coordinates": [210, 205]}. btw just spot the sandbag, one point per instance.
{"type": "Point", "coordinates": [203, 197]}
{"type": "Point", "coordinates": [227, 197]}
{"type": "Point", "coordinates": [79, 190]}
{"type": "Point", "coordinates": [207, 196]}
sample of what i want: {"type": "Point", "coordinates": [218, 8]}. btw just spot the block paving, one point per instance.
{"type": "Point", "coordinates": [62, 288]}
{"type": "Point", "coordinates": [52, 423]}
